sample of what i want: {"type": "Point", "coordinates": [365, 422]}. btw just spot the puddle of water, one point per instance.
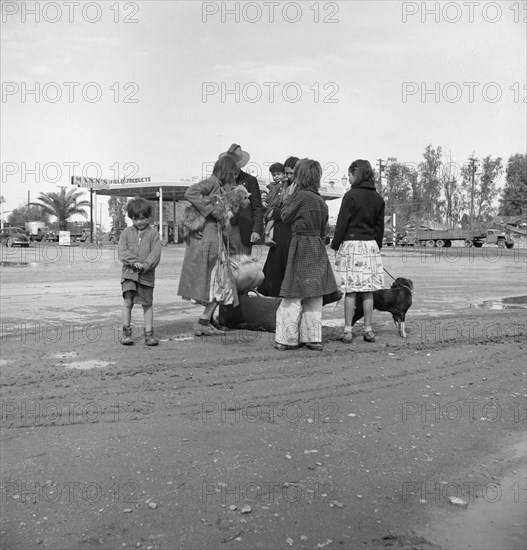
{"type": "Point", "coordinates": [495, 521]}
{"type": "Point", "coordinates": [4, 362]}
{"type": "Point", "coordinates": [90, 364]}
{"type": "Point", "coordinates": [513, 302]}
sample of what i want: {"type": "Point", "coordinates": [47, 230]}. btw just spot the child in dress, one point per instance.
{"type": "Point", "coordinates": [273, 197]}
{"type": "Point", "coordinates": [308, 275]}
{"type": "Point", "coordinates": [358, 240]}
{"type": "Point", "coordinates": [140, 252]}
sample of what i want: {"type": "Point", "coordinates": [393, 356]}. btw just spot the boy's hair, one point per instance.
{"type": "Point", "coordinates": [138, 207]}
{"type": "Point", "coordinates": [277, 168]}
{"type": "Point", "coordinates": [290, 162]}
{"type": "Point", "coordinates": [226, 169]}
{"type": "Point", "coordinates": [307, 174]}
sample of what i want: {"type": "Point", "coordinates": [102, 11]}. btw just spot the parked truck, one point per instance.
{"type": "Point", "coordinates": [470, 237]}
{"type": "Point", "coordinates": [35, 230]}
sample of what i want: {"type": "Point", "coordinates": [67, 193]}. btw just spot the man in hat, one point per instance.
{"type": "Point", "coordinates": [249, 219]}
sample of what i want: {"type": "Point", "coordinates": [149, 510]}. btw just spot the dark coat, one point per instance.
{"type": "Point", "coordinates": [249, 219]}
{"type": "Point", "coordinates": [276, 262]}
{"type": "Point", "coordinates": [361, 216]}
{"type": "Point", "coordinates": [308, 273]}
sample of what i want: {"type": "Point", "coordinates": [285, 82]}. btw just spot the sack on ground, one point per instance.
{"type": "Point", "coordinates": [247, 273]}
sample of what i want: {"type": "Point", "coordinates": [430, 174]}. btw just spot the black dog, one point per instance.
{"type": "Point", "coordinates": [397, 300]}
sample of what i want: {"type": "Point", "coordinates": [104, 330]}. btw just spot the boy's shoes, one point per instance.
{"type": "Point", "coordinates": [150, 339]}
{"type": "Point", "coordinates": [316, 346]}
{"type": "Point", "coordinates": [126, 338]}
{"type": "Point", "coordinates": [347, 338]}
{"type": "Point", "coordinates": [270, 242]}
{"type": "Point", "coordinates": [284, 347]}
{"type": "Point", "coordinates": [207, 330]}
{"type": "Point", "coordinates": [369, 336]}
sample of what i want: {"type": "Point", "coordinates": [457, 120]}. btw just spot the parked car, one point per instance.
{"type": "Point", "coordinates": [13, 236]}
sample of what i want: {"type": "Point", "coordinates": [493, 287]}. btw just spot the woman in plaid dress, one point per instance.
{"type": "Point", "coordinates": [358, 240]}
{"type": "Point", "coordinates": [308, 275]}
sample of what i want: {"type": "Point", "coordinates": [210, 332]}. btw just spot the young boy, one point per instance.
{"type": "Point", "coordinates": [278, 174]}
{"type": "Point", "coordinates": [140, 253]}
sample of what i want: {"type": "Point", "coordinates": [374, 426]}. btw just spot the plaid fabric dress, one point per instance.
{"type": "Point", "coordinates": [308, 273]}
{"type": "Point", "coordinates": [359, 264]}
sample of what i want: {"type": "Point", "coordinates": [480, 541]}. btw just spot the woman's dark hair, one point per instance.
{"type": "Point", "coordinates": [290, 162]}
{"type": "Point", "coordinates": [138, 207]}
{"type": "Point", "coordinates": [363, 170]}
{"type": "Point", "coordinates": [226, 169]}
{"type": "Point", "coordinates": [307, 174]}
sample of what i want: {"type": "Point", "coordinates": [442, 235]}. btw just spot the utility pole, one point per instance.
{"type": "Point", "coordinates": [91, 215]}
{"type": "Point", "coordinates": [472, 172]}
{"type": "Point", "coordinates": [2, 200]}
{"type": "Point", "coordinates": [382, 166]}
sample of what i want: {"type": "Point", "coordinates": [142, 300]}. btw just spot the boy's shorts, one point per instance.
{"type": "Point", "coordinates": [141, 294]}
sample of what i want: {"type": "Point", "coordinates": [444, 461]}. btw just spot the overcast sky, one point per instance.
{"type": "Point", "coordinates": [333, 81]}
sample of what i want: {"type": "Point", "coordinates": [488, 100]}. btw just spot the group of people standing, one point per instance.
{"type": "Point", "coordinates": [297, 267]}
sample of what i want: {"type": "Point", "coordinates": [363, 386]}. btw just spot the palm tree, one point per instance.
{"type": "Point", "coordinates": [63, 205]}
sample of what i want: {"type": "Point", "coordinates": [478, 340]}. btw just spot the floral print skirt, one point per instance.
{"type": "Point", "coordinates": [359, 264]}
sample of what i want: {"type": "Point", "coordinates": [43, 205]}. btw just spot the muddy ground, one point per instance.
{"type": "Point", "coordinates": [228, 443]}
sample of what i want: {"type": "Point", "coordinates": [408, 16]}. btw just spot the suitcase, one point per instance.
{"type": "Point", "coordinates": [255, 312]}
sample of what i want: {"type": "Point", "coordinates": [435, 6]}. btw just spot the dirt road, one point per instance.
{"type": "Point", "coordinates": [228, 443]}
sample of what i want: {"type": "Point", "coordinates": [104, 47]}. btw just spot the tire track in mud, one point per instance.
{"type": "Point", "coordinates": [298, 379]}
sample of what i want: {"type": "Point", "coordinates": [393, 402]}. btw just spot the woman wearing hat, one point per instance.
{"type": "Point", "coordinates": [247, 223]}
{"type": "Point", "coordinates": [201, 253]}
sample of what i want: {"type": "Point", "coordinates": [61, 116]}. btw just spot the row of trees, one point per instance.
{"type": "Point", "coordinates": [440, 190]}
{"type": "Point", "coordinates": [436, 189]}
{"type": "Point", "coordinates": [63, 206]}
